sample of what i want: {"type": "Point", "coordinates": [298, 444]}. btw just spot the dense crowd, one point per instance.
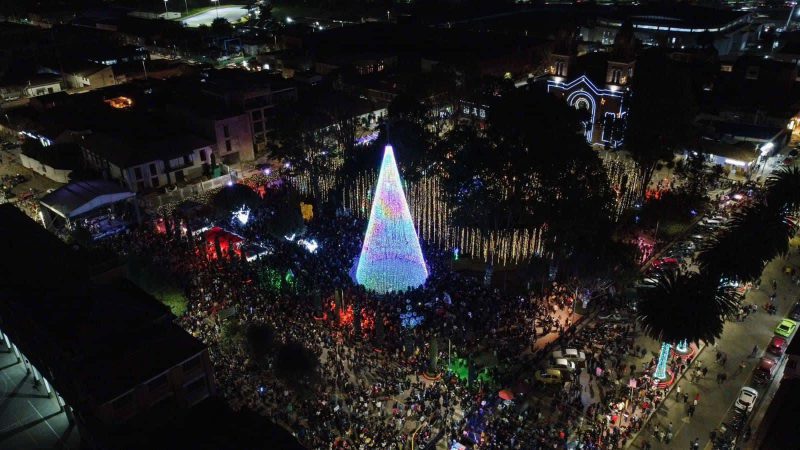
{"type": "Point", "coordinates": [374, 385]}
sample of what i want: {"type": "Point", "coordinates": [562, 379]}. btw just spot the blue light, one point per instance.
{"type": "Point", "coordinates": [663, 358]}
{"type": "Point", "coordinates": [391, 257]}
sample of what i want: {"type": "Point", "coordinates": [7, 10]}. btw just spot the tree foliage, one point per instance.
{"type": "Point", "coordinates": [296, 365]}
{"type": "Point", "coordinates": [686, 305]}
{"type": "Point", "coordinates": [661, 110]}
{"type": "Point", "coordinates": [531, 168]}
{"type": "Point", "coordinates": [260, 340]}
{"type": "Point", "coordinates": [753, 237]}
{"type": "Point", "coordinates": [231, 198]}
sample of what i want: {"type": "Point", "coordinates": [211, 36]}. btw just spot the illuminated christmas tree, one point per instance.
{"type": "Point", "coordinates": [391, 258]}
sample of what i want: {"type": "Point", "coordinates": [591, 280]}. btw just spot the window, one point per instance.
{"type": "Point", "coordinates": [226, 131]}
{"type": "Point", "coordinates": [140, 186]}
{"type": "Point", "coordinates": [258, 127]}
{"type": "Point", "coordinates": [187, 159]}
{"type": "Point", "coordinates": [153, 170]}
{"type": "Point", "coordinates": [256, 115]}
{"type": "Point", "coordinates": [138, 172]}
{"type": "Point", "coordinates": [228, 145]}
{"type": "Point", "coordinates": [203, 155]}
{"type": "Point", "coordinates": [561, 68]}
{"type": "Point", "coordinates": [616, 74]}
{"type": "Point", "coordinates": [154, 182]}
{"type": "Point", "coordinates": [259, 138]}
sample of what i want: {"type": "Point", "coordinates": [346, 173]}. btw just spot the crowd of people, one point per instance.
{"type": "Point", "coordinates": [378, 379]}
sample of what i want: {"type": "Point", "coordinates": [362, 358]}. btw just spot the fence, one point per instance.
{"type": "Point", "coordinates": [182, 193]}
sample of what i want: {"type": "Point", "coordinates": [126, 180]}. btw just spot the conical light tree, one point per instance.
{"type": "Point", "coordinates": [391, 258]}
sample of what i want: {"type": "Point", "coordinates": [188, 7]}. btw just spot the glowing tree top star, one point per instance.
{"type": "Point", "coordinates": [391, 258]}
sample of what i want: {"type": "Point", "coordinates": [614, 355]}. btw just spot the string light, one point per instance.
{"type": "Point", "coordinates": [391, 257]}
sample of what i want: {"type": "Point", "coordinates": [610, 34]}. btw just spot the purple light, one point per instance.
{"type": "Point", "coordinates": [391, 257]}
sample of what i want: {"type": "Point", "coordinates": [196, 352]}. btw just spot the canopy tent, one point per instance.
{"type": "Point", "coordinates": [228, 242]}
{"type": "Point", "coordinates": [81, 197]}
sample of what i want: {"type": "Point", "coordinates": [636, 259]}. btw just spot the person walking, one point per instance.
{"type": "Point", "coordinates": [741, 367]}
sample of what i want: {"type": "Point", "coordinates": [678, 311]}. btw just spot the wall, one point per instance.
{"type": "Point", "coordinates": [42, 89]}
{"type": "Point", "coordinates": [239, 134]}
{"type": "Point", "coordinates": [57, 175]}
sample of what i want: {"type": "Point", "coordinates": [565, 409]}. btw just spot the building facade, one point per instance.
{"type": "Point", "coordinates": [602, 108]}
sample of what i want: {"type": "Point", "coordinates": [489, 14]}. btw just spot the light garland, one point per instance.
{"type": "Point", "coordinates": [663, 358]}
{"type": "Point", "coordinates": [391, 257]}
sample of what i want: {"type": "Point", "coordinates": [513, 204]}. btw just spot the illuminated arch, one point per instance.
{"type": "Point", "coordinates": [573, 99]}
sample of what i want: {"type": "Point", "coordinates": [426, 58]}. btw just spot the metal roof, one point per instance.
{"type": "Point", "coordinates": [81, 197]}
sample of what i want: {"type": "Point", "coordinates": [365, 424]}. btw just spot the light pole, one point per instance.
{"type": "Point", "coordinates": [165, 6]}
{"type": "Point", "coordinates": [186, 5]}
{"type": "Point", "coordinates": [216, 8]}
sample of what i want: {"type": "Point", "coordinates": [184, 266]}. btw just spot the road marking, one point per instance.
{"type": "Point", "coordinates": [45, 420]}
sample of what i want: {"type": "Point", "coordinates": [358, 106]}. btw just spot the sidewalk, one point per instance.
{"type": "Point", "coordinates": [737, 342]}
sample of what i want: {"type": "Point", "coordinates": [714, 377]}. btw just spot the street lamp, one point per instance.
{"type": "Point", "coordinates": [216, 8]}
{"type": "Point", "coordinates": [165, 6]}
{"type": "Point", "coordinates": [186, 5]}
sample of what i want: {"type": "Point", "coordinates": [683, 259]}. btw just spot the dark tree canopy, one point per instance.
{"type": "Point", "coordinates": [531, 168]}
{"type": "Point", "coordinates": [260, 340]}
{"type": "Point", "coordinates": [686, 305]}
{"type": "Point", "coordinates": [661, 111]}
{"type": "Point", "coordinates": [231, 198]}
{"type": "Point", "coordinates": [295, 364]}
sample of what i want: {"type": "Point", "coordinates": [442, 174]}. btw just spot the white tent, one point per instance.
{"type": "Point", "coordinates": [80, 197]}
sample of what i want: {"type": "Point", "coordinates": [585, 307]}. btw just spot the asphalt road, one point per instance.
{"type": "Point", "coordinates": [737, 342]}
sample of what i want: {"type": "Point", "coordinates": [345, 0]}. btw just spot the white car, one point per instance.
{"type": "Point", "coordinates": [747, 399]}
{"type": "Point", "coordinates": [563, 365]}
{"type": "Point", "coordinates": [570, 354]}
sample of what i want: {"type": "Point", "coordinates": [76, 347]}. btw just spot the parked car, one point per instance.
{"type": "Point", "coordinates": [786, 328]}
{"type": "Point", "coordinates": [569, 354]}
{"type": "Point", "coordinates": [549, 376]}
{"type": "Point", "coordinates": [794, 314]}
{"type": "Point", "coordinates": [747, 399]}
{"type": "Point", "coordinates": [777, 346]}
{"type": "Point", "coordinates": [563, 365]}
{"type": "Point", "coordinates": [766, 369]}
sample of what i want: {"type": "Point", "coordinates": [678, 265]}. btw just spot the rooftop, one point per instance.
{"type": "Point", "coordinates": [131, 149]}
{"type": "Point", "coordinates": [70, 200]}
{"type": "Point", "coordinates": [679, 17]}
{"type": "Point", "coordinates": [97, 341]}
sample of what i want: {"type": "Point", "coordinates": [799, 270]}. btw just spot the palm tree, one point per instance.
{"type": "Point", "coordinates": [752, 238]}
{"type": "Point", "coordinates": [783, 189]}
{"type": "Point", "coordinates": [686, 306]}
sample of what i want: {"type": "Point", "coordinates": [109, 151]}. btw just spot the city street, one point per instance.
{"type": "Point", "coordinates": [737, 343]}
